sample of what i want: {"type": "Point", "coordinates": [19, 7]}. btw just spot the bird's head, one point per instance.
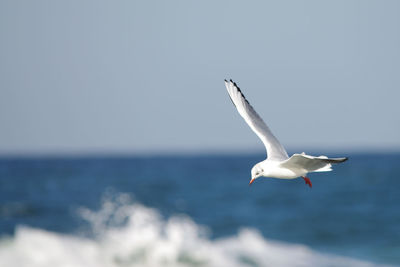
{"type": "Point", "coordinates": [256, 172]}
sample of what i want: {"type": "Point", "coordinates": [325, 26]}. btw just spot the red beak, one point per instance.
{"type": "Point", "coordinates": [251, 181]}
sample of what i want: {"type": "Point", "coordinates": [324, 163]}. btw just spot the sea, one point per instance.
{"type": "Point", "coordinates": [196, 210]}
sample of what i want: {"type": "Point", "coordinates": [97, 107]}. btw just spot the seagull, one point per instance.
{"type": "Point", "coordinates": [278, 164]}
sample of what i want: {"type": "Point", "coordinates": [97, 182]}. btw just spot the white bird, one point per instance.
{"type": "Point", "coordinates": [278, 164]}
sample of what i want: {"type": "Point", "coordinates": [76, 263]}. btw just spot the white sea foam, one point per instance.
{"type": "Point", "coordinates": [127, 234]}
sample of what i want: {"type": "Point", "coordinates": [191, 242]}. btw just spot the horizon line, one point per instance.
{"type": "Point", "coordinates": [186, 152]}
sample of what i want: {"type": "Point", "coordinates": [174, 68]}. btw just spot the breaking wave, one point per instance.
{"type": "Point", "coordinates": [125, 233]}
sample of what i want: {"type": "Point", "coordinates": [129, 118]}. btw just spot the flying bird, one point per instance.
{"type": "Point", "coordinates": [278, 164]}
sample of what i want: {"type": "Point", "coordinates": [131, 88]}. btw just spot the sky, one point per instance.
{"type": "Point", "coordinates": [147, 76]}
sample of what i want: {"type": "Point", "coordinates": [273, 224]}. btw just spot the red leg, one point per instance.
{"type": "Point", "coordinates": [307, 180]}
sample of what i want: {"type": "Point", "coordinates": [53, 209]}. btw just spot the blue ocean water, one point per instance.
{"type": "Point", "coordinates": [196, 211]}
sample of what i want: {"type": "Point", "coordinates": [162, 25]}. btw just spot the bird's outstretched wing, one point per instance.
{"type": "Point", "coordinates": [310, 163]}
{"type": "Point", "coordinates": [275, 150]}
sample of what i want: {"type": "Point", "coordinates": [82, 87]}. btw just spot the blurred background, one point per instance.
{"type": "Point", "coordinates": [119, 145]}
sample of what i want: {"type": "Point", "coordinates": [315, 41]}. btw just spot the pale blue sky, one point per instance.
{"type": "Point", "coordinates": [147, 76]}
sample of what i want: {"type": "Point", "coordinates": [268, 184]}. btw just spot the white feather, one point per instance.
{"type": "Point", "coordinates": [275, 150]}
{"type": "Point", "coordinates": [278, 164]}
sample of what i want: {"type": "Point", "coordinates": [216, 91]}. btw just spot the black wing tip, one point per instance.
{"type": "Point", "coordinates": [337, 160]}
{"type": "Point", "coordinates": [236, 85]}
{"type": "Point", "coordinates": [240, 91]}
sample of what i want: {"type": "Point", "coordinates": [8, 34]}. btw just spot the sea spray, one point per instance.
{"type": "Point", "coordinates": [126, 233]}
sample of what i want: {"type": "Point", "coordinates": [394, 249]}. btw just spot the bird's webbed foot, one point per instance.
{"type": "Point", "coordinates": [307, 180]}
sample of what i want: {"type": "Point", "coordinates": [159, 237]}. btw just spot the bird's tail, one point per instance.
{"type": "Point", "coordinates": [326, 168]}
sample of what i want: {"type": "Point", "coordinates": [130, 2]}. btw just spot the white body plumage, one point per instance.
{"type": "Point", "coordinates": [278, 164]}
